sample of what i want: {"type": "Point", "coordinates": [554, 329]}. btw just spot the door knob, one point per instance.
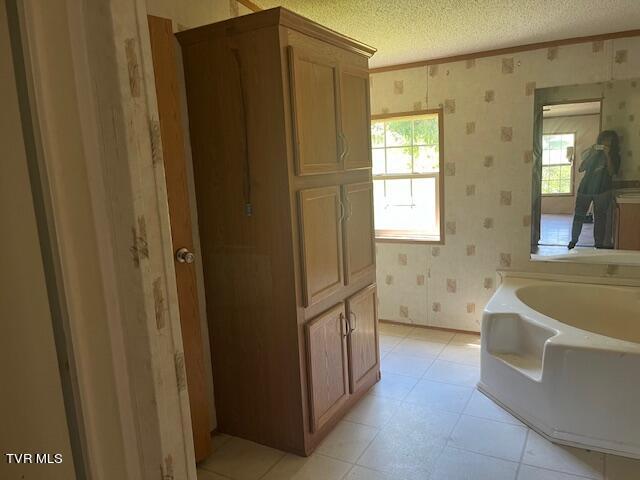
{"type": "Point", "coordinates": [183, 255]}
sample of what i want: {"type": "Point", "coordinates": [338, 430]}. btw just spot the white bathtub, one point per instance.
{"type": "Point", "coordinates": [565, 359]}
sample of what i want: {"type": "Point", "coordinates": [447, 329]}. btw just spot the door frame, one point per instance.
{"type": "Point", "coordinates": [107, 234]}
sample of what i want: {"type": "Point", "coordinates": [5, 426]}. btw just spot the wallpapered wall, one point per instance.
{"type": "Point", "coordinates": [621, 112]}
{"type": "Point", "coordinates": [586, 128]}
{"type": "Point", "coordinates": [488, 125]}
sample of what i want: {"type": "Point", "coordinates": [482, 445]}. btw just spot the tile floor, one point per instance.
{"type": "Point", "coordinates": [556, 230]}
{"type": "Point", "coordinates": [423, 421]}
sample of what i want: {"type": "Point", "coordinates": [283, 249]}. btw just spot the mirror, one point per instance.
{"type": "Point", "coordinates": [586, 173]}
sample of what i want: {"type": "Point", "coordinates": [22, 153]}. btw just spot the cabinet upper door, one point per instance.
{"type": "Point", "coordinates": [359, 243]}
{"type": "Point", "coordinates": [327, 364]}
{"type": "Point", "coordinates": [363, 339]}
{"type": "Point", "coordinates": [314, 102]}
{"type": "Point", "coordinates": [321, 212]}
{"type": "Point", "coordinates": [355, 118]}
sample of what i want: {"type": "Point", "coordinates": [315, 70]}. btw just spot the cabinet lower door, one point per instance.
{"type": "Point", "coordinates": [363, 339]}
{"type": "Point", "coordinates": [327, 374]}
{"type": "Point", "coordinates": [359, 244]}
{"type": "Point", "coordinates": [321, 242]}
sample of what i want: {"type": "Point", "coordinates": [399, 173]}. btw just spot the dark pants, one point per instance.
{"type": "Point", "coordinates": [601, 204]}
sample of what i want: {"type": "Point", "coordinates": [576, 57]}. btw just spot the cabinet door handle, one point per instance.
{"type": "Point", "coordinates": [343, 146]}
{"type": "Point", "coordinates": [344, 322]}
{"type": "Point", "coordinates": [354, 324]}
{"type": "Point", "coordinates": [342, 212]}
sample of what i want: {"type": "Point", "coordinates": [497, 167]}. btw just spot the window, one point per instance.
{"type": "Point", "coordinates": [407, 183]}
{"type": "Point", "coordinates": [557, 163]}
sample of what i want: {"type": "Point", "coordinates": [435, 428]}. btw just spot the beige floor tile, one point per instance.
{"type": "Point", "coordinates": [242, 460]}
{"type": "Point", "coordinates": [455, 373]}
{"type": "Point", "coordinates": [488, 437]}
{"type": "Point", "coordinates": [426, 421]}
{"type": "Point", "coordinates": [387, 342]}
{"type": "Point", "coordinates": [362, 473]}
{"type": "Point", "coordinates": [466, 354]}
{"type": "Point", "coordinates": [408, 365]}
{"type": "Point", "coordinates": [539, 452]}
{"type": "Point", "coordinates": [528, 472]}
{"type": "Point", "coordinates": [315, 467]}
{"type": "Point", "coordinates": [621, 468]}
{"type": "Point", "coordinates": [394, 329]}
{"type": "Point", "coordinates": [205, 475]}
{"type": "Point", "coordinates": [403, 454]}
{"type": "Point", "coordinates": [443, 396]}
{"type": "Point", "coordinates": [431, 334]}
{"type": "Point", "coordinates": [466, 339]}
{"type": "Point", "coordinates": [347, 441]}
{"type": "Point", "coordinates": [419, 348]}
{"type": "Point", "coordinates": [373, 411]}
{"type": "Point", "coordinates": [482, 406]}
{"type": "Point", "coordinates": [455, 464]}
{"type": "Point", "coordinates": [396, 387]}
{"type": "Point", "coordinates": [218, 440]}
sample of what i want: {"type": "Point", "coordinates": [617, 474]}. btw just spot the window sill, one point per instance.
{"type": "Point", "coordinates": [408, 239]}
{"type": "Point", "coordinates": [547, 195]}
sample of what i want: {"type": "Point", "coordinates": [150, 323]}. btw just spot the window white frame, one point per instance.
{"type": "Point", "coordinates": [551, 165]}
{"type": "Point", "coordinates": [410, 236]}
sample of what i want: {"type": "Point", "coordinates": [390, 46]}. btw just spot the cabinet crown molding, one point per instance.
{"type": "Point", "coordinates": [274, 17]}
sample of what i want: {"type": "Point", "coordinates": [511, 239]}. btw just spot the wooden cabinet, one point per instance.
{"type": "Point", "coordinates": [327, 362]}
{"type": "Point", "coordinates": [279, 129]}
{"type": "Point", "coordinates": [359, 243]}
{"type": "Point", "coordinates": [354, 109]}
{"type": "Point", "coordinates": [627, 226]}
{"type": "Point", "coordinates": [321, 213]}
{"type": "Point", "coordinates": [363, 336]}
{"type": "Point", "coordinates": [314, 81]}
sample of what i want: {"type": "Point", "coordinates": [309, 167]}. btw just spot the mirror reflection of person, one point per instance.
{"type": "Point", "coordinates": [600, 163]}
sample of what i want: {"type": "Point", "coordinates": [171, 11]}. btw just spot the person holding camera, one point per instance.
{"type": "Point", "coordinates": [600, 163]}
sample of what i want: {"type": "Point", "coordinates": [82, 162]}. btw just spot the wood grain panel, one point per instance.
{"type": "Point", "coordinates": [327, 364]}
{"type": "Point", "coordinates": [321, 233]}
{"type": "Point", "coordinates": [236, 120]}
{"type": "Point", "coordinates": [314, 91]}
{"type": "Point", "coordinates": [628, 226]}
{"type": "Point", "coordinates": [355, 118]}
{"type": "Point", "coordinates": [169, 111]}
{"type": "Point", "coordinates": [359, 237]}
{"type": "Point", "coordinates": [362, 313]}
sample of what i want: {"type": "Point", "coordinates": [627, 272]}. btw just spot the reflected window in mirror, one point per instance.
{"type": "Point", "coordinates": [557, 163]}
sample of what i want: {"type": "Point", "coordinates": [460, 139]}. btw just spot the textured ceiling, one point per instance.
{"type": "Point", "coordinates": [412, 30]}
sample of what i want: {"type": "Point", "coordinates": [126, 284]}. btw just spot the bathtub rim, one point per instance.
{"type": "Point", "coordinates": [567, 335]}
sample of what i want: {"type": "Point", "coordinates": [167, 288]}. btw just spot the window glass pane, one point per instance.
{"type": "Point", "coordinates": [399, 160]}
{"type": "Point", "coordinates": [426, 159]}
{"type": "Point", "coordinates": [377, 134]}
{"type": "Point", "coordinates": [545, 157]}
{"type": "Point", "coordinates": [399, 133]}
{"type": "Point", "coordinates": [398, 193]}
{"type": "Point", "coordinates": [395, 210]}
{"type": "Point", "coordinates": [377, 157]}
{"type": "Point", "coordinates": [557, 156]}
{"type": "Point", "coordinates": [425, 131]}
